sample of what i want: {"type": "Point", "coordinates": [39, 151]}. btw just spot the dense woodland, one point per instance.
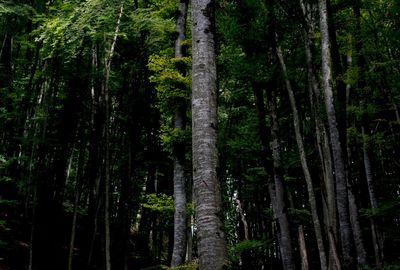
{"type": "Point", "coordinates": [230, 134]}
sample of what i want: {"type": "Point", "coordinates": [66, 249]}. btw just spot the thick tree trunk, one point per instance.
{"type": "Point", "coordinates": [304, 163]}
{"type": "Point", "coordinates": [180, 222]}
{"type": "Point", "coordinates": [338, 161]}
{"type": "Point", "coordinates": [207, 196]}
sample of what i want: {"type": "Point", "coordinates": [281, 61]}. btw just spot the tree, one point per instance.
{"type": "Point", "coordinates": [207, 196]}
{"type": "Point", "coordinates": [337, 152]}
{"type": "Point", "coordinates": [180, 217]}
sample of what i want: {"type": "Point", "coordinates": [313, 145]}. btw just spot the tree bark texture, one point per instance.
{"type": "Point", "coordinates": [304, 163]}
{"type": "Point", "coordinates": [280, 209]}
{"type": "Point", "coordinates": [207, 197]}
{"type": "Point", "coordinates": [337, 153]}
{"type": "Point", "coordinates": [180, 222]}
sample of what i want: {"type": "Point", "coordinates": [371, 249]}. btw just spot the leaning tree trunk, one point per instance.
{"type": "Point", "coordinates": [338, 161]}
{"type": "Point", "coordinates": [207, 196]}
{"type": "Point", "coordinates": [304, 164]}
{"type": "Point", "coordinates": [180, 222]}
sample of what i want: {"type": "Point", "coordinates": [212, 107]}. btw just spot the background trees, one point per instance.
{"type": "Point", "coordinates": [90, 98]}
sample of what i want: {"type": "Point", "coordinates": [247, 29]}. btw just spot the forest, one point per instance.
{"type": "Point", "coordinates": [202, 134]}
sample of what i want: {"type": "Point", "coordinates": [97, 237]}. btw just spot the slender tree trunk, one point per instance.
{"type": "Point", "coordinates": [303, 248]}
{"type": "Point", "coordinates": [374, 203]}
{"type": "Point", "coordinates": [353, 208]}
{"type": "Point", "coordinates": [107, 125]}
{"type": "Point", "coordinates": [243, 219]}
{"type": "Point", "coordinates": [180, 217]}
{"type": "Point", "coordinates": [266, 152]}
{"type": "Point", "coordinates": [207, 196]}
{"type": "Point", "coordinates": [340, 175]}
{"type": "Point", "coordinates": [304, 164]}
{"type": "Point", "coordinates": [322, 141]}
{"type": "Point", "coordinates": [301, 239]}
{"type": "Point", "coordinates": [280, 210]}
{"type": "Point", "coordinates": [78, 187]}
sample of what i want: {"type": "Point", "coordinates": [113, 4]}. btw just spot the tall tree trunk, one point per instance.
{"type": "Point", "coordinates": [280, 210]}
{"type": "Point", "coordinates": [340, 175]}
{"type": "Point", "coordinates": [304, 164]}
{"type": "Point", "coordinates": [266, 152]}
{"type": "Point", "coordinates": [322, 140]}
{"type": "Point", "coordinates": [107, 124]}
{"type": "Point", "coordinates": [376, 235]}
{"type": "Point", "coordinates": [207, 196]}
{"type": "Point", "coordinates": [78, 187]}
{"type": "Point", "coordinates": [353, 208]}
{"type": "Point", "coordinates": [180, 222]}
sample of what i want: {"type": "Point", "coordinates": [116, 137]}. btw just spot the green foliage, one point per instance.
{"type": "Point", "coordinates": [300, 216]}
{"type": "Point", "coordinates": [2, 161]}
{"type": "Point", "coordinates": [69, 208]}
{"type": "Point", "coordinates": [11, 8]}
{"type": "Point", "coordinates": [369, 141]}
{"type": "Point", "coordinates": [159, 202]}
{"type": "Point", "coordinates": [389, 208]}
{"type": "Point", "coordinates": [255, 247]}
{"type": "Point", "coordinates": [7, 202]}
{"type": "Point", "coordinates": [369, 110]}
{"type": "Point", "coordinates": [192, 265]}
{"type": "Point", "coordinates": [385, 267]}
{"type": "Point", "coordinates": [157, 30]}
{"type": "Point", "coordinates": [172, 87]}
{"type": "Point", "coordinates": [351, 75]}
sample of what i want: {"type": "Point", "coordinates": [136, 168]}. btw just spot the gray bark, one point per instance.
{"type": "Point", "coordinates": [207, 197]}
{"type": "Point", "coordinates": [279, 205]}
{"type": "Point", "coordinates": [107, 102]}
{"type": "Point", "coordinates": [304, 164]}
{"type": "Point", "coordinates": [243, 219]}
{"type": "Point", "coordinates": [354, 217]}
{"type": "Point", "coordinates": [303, 249]}
{"type": "Point", "coordinates": [376, 238]}
{"type": "Point", "coordinates": [338, 161]}
{"type": "Point", "coordinates": [180, 222]}
{"type": "Point", "coordinates": [358, 239]}
{"type": "Point", "coordinates": [321, 134]}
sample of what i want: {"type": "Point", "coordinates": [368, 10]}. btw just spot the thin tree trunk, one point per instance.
{"type": "Point", "coordinates": [243, 219]}
{"type": "Point", "coordinates": [354, 217]}
{"type": "Point", "coordinates": [301, 239]}
{"type": "Point", "coordinates": [280, 210]}
{"type": "Point", "coordinates": [338, 161]}
{"type": "Point", "coordinates": [303, 248]}
{"type": "Point", "coordinates": [3, 45]}
{"type": "Point", "coordinates": [207, 195]}
{"type": "Point", "coordinates": [180, 218]}
{"type": "Point", "coordinates": [320, 130]}
{"type": "Point", "coordinates": [107, 104]}
{"type": "Point", "coordinates": [304, 165]}
{"type": "Point", "coordinates": [376, 237]}
{"type": "Point", "coordinates": [267, 152]}
{"type": "Point", "coordinates": [355, 223]}
{"type": "Point", "coordinates": [78, 187]}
